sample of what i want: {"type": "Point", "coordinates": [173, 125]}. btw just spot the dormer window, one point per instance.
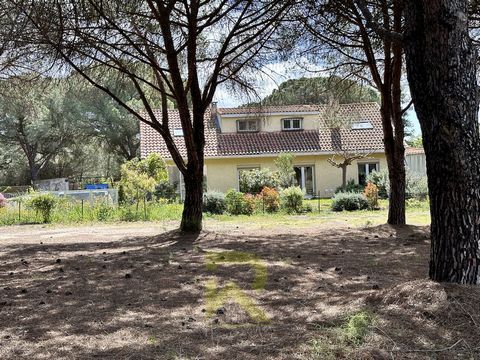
{"type": "Point", "coordinates": [178, 132]}
{"type": "Point", "coordinates": [362, 125]}
{"type": "Point", "coordinates": [247, 125]}
{"type": "Point", "coordinates": [292, 124]}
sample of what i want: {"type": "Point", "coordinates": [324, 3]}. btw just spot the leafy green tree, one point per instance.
{"type": "Point", "coordinates": [318, 90]}
{"type": "Point", "coordinates": [139, 177]}
{"type": "Point", "coordinates": [40, 119]}
{"type": "Point", "coordinates": [109, 122]}
{"type": "Point", "coordinates": [416, 142]}
{"type": "Point", "coordinates": [285, 170]}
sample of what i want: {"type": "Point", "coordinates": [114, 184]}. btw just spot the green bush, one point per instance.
{"type": "Point", "coordinates": [349, 202]}
{"type": "Point", "coordinates": [214, 202]}
{"type": "Point", "coordinates": [165, 190]}
{"type": "Point", "coordinates": [350, 188]}
{"type": "Point", "coordinates": [416, 186]}
{"type": "Point", "coordinates": [307, 208]}
{"type": "Point", "coordinates": [43, 204]}
{"type": "Point", "coordinates": [292, 199]}
{"type": "Point", "coordinates": [129, 214]}
{"type": "Point", "coordinates": [253, 181]}
{"type": "Point", "coordinates": [104, 211]}
{"type": "Point", "coordinates": [238, 203]}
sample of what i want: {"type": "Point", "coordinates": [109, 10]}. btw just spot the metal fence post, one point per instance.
{"type": "Point", "coordinates": [19, 210]}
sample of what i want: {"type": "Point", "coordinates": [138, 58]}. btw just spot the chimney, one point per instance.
{"type": "Point", "coordinates": [214, 115]}
{"type": "Point", "coordinates": [214, 109]}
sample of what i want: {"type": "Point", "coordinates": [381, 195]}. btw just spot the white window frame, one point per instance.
{"type": "Point", "coordinates": [248, 121]}
{"type": "Point", "coordinates": [291, 120]}
{"type": "Point", "coordinates": [302, 174]}
{"type": "Point", "coordinates": [367, 168]}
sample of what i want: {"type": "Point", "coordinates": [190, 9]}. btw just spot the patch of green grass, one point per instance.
{"type": "Point", "coordinates": [357, 327]}
{"type": "Point", "coordinates": [341, 338]}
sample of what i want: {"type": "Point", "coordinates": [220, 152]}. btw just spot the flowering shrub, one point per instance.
{"type": "Point", "coordinates": [253, 181]}
{"type": "Point", "coordinates": [249, 204]}
{"type": "Point", "coordinates": [271, 199]}
{"type": "Point", "coordinates": [371, 193]}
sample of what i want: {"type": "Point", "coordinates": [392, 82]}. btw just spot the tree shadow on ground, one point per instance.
{"type": "Point", "coordinates": [145, 297]}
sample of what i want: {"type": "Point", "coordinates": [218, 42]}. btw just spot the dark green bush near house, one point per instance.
{"type": "Point", "coordinates": [43, 204]}
{"type": "Point", "coordinates": [253, 181]}
{"type": "Point", "coordinates": [165, 190]}
{"type": "Point", "coordinates": [349, 202]}
{"type": "Point", "coordinates": [291, 199]}
{"type": "Point", "coordinates": [214, 202]}
{"type": "Point", "coordinates": [350, 188]}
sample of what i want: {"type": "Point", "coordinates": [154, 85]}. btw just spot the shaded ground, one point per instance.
{"type": "Point", "coordinates": [122, 292]}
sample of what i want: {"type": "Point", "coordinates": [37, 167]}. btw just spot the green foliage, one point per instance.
{"type": "Point", "coordinates": [43, 204]}
{"type": "Point", "coordinates": [104, 211]}
{"type": "Point", "coordinates": [214, 202]}
{"type": "Point", "coordinates": [319, 90]}
{"type": "Point", "coordinates": [165, 190]}
{"type": "Point", "coordinates": [380, 179]}
{"type": "Point", "coordinates": [253, 181]}
{"type": "Point", "coordinates": [349, 202]}
{"type": "Point", "coordinates": [271, 199]}
{"type": "Point", "coordinates": [139, 177]}
{"type": "Point", "coordinates": [307, 208]}
{"type": "Point", "coordinates": [285, 170]}
{"type": "Point", "coordinates": [121, 195]}
{"type": "Point", "coordinates": [238, 203]}
{"type": "Point", "coordinates": [416, 142]}
{"type": "Point", "coordinates": [292, 199]}
{"type": "Point", "coordinates": [351, 187]}
{"type": "Point", "coordinates": [416, 186]}
{"type": "Point", "coordinates": [357, 327]}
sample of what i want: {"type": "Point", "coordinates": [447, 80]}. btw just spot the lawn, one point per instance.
{"type": "Point", "coordinates": [314, 286]}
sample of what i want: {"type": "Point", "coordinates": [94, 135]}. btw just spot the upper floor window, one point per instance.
{"type": "Point", "coordinates": [247, 125]}
{"type": "Point", "coordinates": [178, 132]}
{"type": "Point", "coordinates": [292, 124]}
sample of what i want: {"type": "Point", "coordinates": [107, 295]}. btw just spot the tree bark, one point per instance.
{"type": "Point", "coordinates": [344, 177]}
{"type": "Point", "coordinates": [441, 68]}
{"type": "Point", "coordinates": [395, 156]}
{"type": "Point", "coordinates": [193, 205]}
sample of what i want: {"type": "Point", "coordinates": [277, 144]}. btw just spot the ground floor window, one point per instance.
{"type": "Point", "coordinates": [364, 169]}
{"type": "Point", "coordinates": [305, 178]}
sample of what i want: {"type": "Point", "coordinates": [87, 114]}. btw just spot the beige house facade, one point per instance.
{"type": "Point", "coordinates": [242, 139]}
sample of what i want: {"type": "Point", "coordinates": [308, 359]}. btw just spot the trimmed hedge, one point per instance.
{"type": "Point", "coordinates": [349, 202]}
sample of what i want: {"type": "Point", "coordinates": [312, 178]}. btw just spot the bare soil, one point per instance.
{"type": "Point", "coordinates": [139, 292]}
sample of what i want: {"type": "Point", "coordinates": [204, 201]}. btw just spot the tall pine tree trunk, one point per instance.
{"type": "Point", "coordinates": [193, 205]}
{"type": "Point", "coordinates": [441, 66]}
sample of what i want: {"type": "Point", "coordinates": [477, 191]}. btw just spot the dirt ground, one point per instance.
{"type": "Point", "coordinates": [145, 292]}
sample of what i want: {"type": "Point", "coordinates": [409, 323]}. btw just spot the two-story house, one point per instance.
{"type": "Point", "coordinates": [240, 139]}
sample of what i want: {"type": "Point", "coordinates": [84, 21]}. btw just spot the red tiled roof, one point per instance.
{"type": "Point", "coordinates": [414, 151]}
{"type": "Point", "coordinates": [265, 110]}
{"type": "Point", "coordinates": [323, 140]}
